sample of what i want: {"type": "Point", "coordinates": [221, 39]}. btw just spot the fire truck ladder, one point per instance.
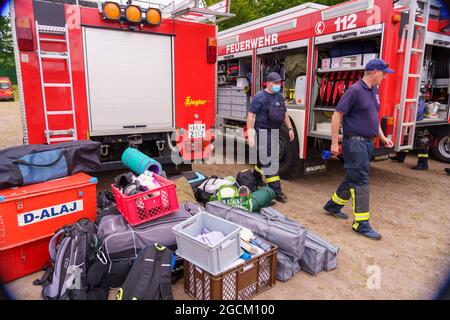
{"type": "Point", "coordinates": [415, 45]}
{"type": "Point", "coordinates": [69, 134]}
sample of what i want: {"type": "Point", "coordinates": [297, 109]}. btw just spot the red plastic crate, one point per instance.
{"type": "Point", "coordinates": [148, 205]}
{"type": "Point", "coordinates": [30, 215]}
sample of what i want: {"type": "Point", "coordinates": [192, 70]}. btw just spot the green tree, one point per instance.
{"type": "Point", "coordinates": [7, 67]}
{"type": "Point", "coordinates": [248, 10]}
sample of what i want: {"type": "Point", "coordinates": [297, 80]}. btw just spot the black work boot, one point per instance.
{"type": "Point", "coordinates": [259, 179]}
{"type": "Point", "coordinates": [364, 228]}
{"type": "Point", "coordinates": [422, 164]}
{"type": "Point", "coordinates": [334, 209]}
{"type": "Point", "coordinates": [399, 157]}
{"type": "Point", "coordinates": [281, 197]}
{"type": "Point", "coordinates": [261, 183]}
{"type": "Point", "coordinates": [447, 170]}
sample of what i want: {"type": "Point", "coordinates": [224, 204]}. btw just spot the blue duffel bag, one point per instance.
{"type": "Point", "coordinates": [35, 163]}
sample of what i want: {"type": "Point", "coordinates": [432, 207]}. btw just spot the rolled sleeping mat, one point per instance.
{"type": "Point", "coordinates": [138, 162]}
{"type": "Point", "coordinates": [262, 198]}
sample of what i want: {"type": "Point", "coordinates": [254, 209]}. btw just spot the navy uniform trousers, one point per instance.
{"type": "Point", "coordinates": [357, 157]}
{"type": "Point", "coordinates": [264, 160]}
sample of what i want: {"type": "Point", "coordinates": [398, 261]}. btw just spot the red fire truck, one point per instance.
{"type": "Point", "coordinates": [118, 73]}
{"type": "Point", "coordinates": [320, 51]}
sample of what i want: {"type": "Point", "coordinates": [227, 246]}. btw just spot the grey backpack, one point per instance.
{"type": "Point", "coordinates": [73, 250]}
{"type": "Point", "coordinates": [149, 278]}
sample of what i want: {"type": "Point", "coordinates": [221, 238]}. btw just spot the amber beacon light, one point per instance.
{"type": "Point", "coordinates": [153, 16]}
{"type": "Point", "coordinates": [133, 13]}
{"type": "Point", "coordinates": [111, 11]}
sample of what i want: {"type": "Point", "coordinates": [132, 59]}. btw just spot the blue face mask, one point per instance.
{"type": "Point", "coordinates": [276, 88]}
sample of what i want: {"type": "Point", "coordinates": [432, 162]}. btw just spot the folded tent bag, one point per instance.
{"type": "Point", "coordinates": [28, 164]}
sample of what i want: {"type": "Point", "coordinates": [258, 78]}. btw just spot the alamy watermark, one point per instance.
{"type": "Point", "coordinates": [374, 279]}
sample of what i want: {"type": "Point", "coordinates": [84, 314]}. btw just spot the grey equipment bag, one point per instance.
{"type": "Point", "coordinates": [270, 225]}
{"type": "Point", "coordinates": [286, 267]}
{"type": "Point", "coordinates": [313, 258]}
{"type": "Point", "coordinates": [118, 236]}
{"type": "Point", "coordinates": [319, 254]}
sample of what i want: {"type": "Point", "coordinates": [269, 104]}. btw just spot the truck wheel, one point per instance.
{"type": "Point", "coordinates": [290, 164]}
{"type": "Point", "coordinates": [442, 150]}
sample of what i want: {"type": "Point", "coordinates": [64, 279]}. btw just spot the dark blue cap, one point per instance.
{"type": "Point", "coordinates": [378, 64]}
{"type": "Point", "coordinates": [273, 77]}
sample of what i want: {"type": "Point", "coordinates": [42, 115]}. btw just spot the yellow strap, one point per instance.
{"type": "Point", "coordinates": [261, 171]}
{"type": "Point", "coordinates": [352, 192]}
{"type": "Point", "coordinates": [423, 155]}
{"type": "Point", "coordinates": [273, 179]}
{"type": "Point", "coordinates": [338, 200]}
{"type": "Point", "coordinates": [120, 294]}
{"type": "Point", "coordinates": [159, 247]}
{"type": "Point", "coordinates": [362, 216]}
{"type": "Point", "coordinates": [355, 225]}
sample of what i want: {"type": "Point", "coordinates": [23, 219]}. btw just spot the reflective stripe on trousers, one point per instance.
{"type": "Point", "coordinates": [357, 156]}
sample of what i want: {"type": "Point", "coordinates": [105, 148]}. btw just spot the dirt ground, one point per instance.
{"type": "Point", "coordinates": [410, 209]}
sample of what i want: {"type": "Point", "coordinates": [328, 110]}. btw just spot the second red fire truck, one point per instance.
{"type": "Point", "coordinates": [320, 51]}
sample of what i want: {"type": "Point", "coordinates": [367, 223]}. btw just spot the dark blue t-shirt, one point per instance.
{"type": "Point", "coordinates": [260, 106]}
{"type": "Point", "coordinates": [360, 105]}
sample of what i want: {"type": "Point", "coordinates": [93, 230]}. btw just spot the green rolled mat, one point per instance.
{"type": "Point", "coordinates": [139, 162]}
{"type": "Point", "coordinates": [261, 198]}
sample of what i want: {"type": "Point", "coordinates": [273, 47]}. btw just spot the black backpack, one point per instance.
{"type": "Point", "coordinates": [246, 178]}
{"type": "Point", "coordinates": [150, 276]}
{"type": "Point", "coordinates": [71, 276]}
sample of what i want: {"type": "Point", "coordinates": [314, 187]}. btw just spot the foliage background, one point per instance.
{"type": "Point", "coordinates": [248, 10]}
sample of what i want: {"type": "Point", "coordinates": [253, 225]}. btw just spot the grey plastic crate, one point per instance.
{"type": "Point", "coordinates": [238, 92]}
{"type": "Point", "coordinates": [239, 99]}
{"type": "Point", "coordinates": [224, 91]}
{"type": "Point", "coordinates": [224, 109]}
{"type": "Point", "coordinates": [224, 99]}
{"type": "Point", "coordinates": [224, 112]}
{"type": "Point", "coordinates": [212, 259]}
{"type": "Point", "coordinates": [242, 107]}
{"type": "Point", "coordinates": [238, 113]}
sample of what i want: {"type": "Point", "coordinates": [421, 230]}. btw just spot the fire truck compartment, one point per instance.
{"type": "Point", "coordinates": [129, 79]}
{"type": "Point", "coordinates": [435, 86]}
{"type": "Point", "coordinates": [339, 63]}
{"type": "Point", "coordinates": [234, 86]}
{"type": "Point", "coordinates": [290, 61]}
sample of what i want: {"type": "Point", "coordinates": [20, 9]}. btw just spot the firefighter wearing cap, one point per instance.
{"type": "Point", "coordinates": [357, 111]}
{"type": "Point", "coordinates": [266, 114]}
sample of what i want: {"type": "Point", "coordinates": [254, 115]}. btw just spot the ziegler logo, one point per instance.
{"type": "Point", "coordinates": [43, 214]}
{"type": "Point", "coordinates": [189, 102]}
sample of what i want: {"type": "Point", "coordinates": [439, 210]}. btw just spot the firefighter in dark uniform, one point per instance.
{"type": "Point", "coordinates": [266, 114]}
{"type": "Point", "coordinates": [422, 158]}
{"type": "Point", "coordinates": [422, 144]}
{"type": "Point", "coordinates": [358, 112]}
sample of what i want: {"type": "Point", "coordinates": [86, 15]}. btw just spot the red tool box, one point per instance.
{"type": "Point", "coordinates": [30, 215]}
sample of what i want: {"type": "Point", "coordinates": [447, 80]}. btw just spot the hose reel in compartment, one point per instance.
{"type": "Point", "coordinates": [340, 65]}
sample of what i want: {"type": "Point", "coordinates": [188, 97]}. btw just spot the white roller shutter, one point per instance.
{"type": "Point", "coordinates": [129, 81]}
